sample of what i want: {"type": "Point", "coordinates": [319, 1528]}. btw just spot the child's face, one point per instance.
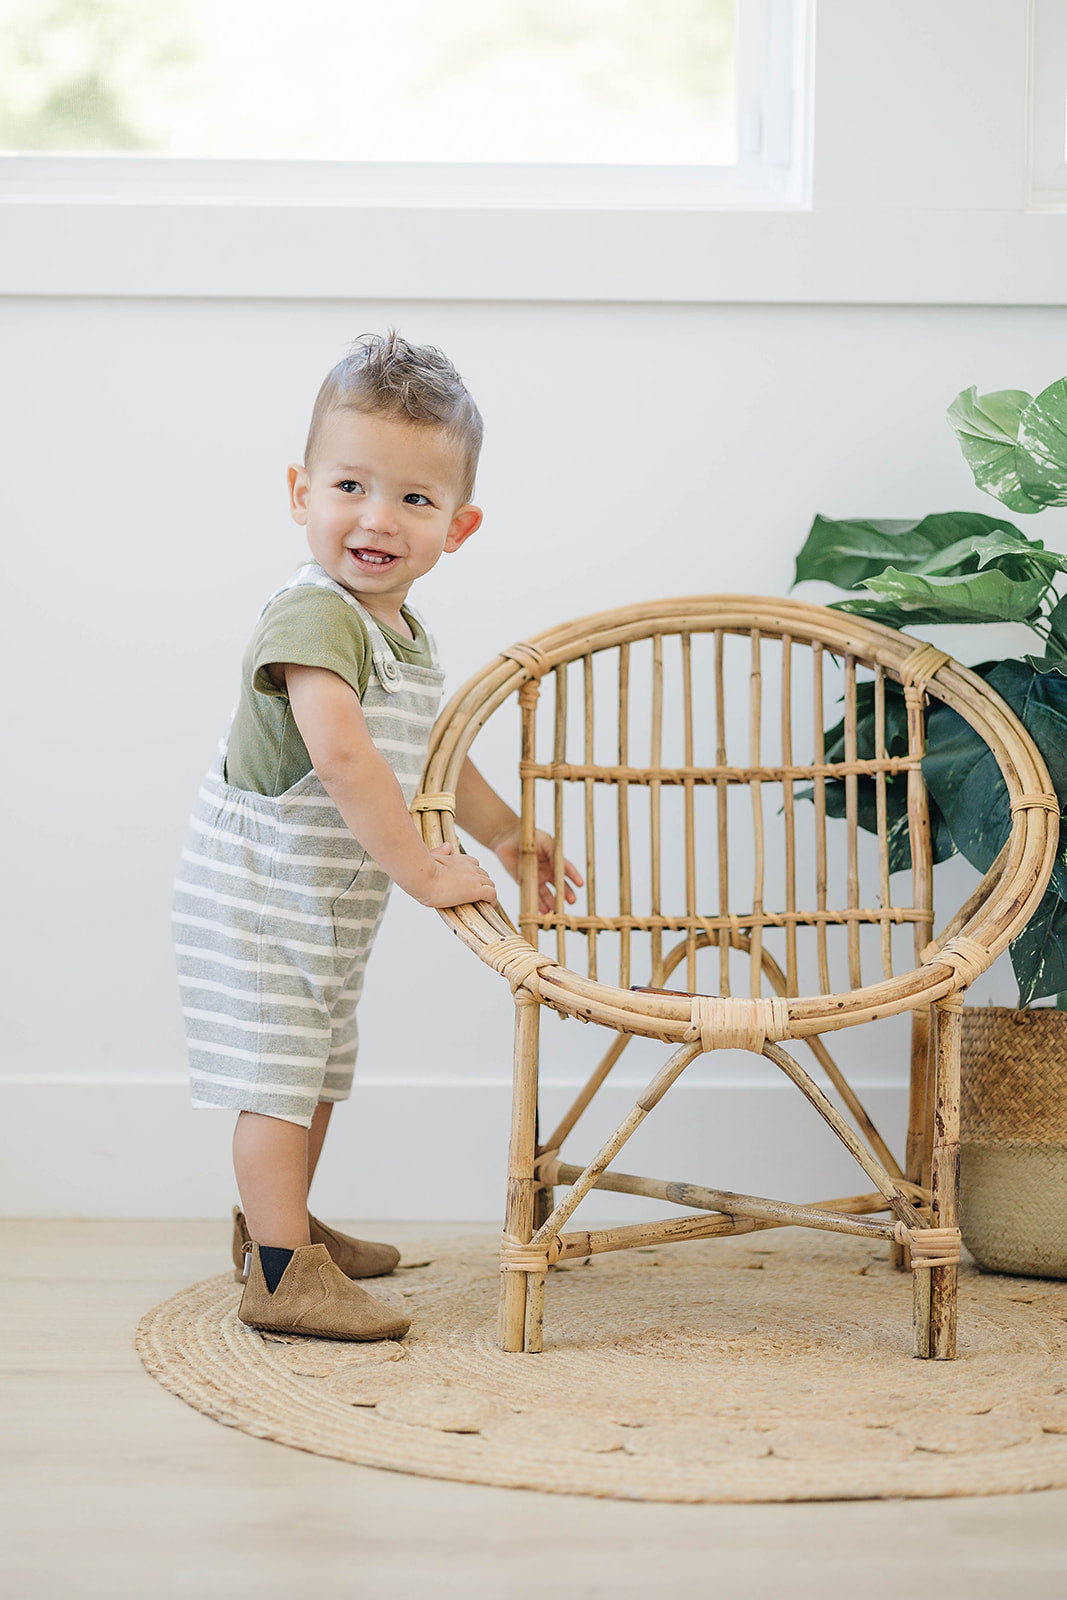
{"type": "Point", "coordinates": [381, 503]}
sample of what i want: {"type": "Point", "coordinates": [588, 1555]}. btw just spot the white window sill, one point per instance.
{"type": "Point", "coordinates": [315, 250]}
{"type": "Point", "coordinates": [141, 179]}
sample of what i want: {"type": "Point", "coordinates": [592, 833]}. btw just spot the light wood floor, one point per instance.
{"type": "Point", "coordinates": [112, 1488]}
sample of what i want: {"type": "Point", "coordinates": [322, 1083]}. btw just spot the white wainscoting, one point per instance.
{"type": "Point", "coordinates": [408, 1149]}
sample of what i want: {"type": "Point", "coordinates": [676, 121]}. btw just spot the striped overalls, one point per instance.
{"type": "Point", "coordinates": [276, 907]}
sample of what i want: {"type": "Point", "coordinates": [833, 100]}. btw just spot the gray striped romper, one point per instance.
{"type": "Point", "coordinates": [276, 906]}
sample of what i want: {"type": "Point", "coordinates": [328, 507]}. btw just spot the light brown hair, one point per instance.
{"type": "Point", "coordinates": [384, 375]}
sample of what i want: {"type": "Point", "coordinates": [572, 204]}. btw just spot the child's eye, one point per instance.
{"type": "Point", "coordinates": [350, 486]}
{"type": "Point", "coordinates": [416, 500]}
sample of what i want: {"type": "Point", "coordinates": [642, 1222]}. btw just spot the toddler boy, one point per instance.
{"type": "Point", "coordinates": [302, 823]}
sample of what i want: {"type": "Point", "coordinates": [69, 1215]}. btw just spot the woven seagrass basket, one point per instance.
{"type": "Point", "coordinates": [1013, 1140]}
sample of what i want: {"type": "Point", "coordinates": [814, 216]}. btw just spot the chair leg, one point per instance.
{"type": "Point", "coordinates": [544, 1205]}
{"type": "Point", "coordinates": [937, 1339]}
{"type": "Point", "coordinates": [535, 1311]}
{"type": "Point", "coordinates": [522, 1184]}
{"type": "Point", "coordinates": [544, 1201]}
{"type": "Point", "coordinates": [915, 1155]}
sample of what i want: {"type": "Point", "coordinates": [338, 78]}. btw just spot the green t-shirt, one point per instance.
{"type": "Point", "coordinates": [310, 627]}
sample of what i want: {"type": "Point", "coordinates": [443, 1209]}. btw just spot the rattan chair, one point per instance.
{"type": "Point", "coordinates": [646, 738]}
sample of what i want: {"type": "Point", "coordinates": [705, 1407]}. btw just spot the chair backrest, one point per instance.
{"type": "Point", "coordinates": [704, 773]}
{"type": "Point", "coordinates": [707, 763]}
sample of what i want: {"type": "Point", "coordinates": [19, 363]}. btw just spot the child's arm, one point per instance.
{"type": "Point", "coordinates": [486, 817]}
{"type": "Point", "coordinates": [363, 787]}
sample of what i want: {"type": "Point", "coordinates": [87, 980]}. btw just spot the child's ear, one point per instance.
{"type": "Point", "coordinates": [299, 484]}
{"type": "Point", "coordinates": [467, 520]}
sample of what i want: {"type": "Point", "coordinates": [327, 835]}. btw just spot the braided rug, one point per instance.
{"type": "Point", "coordinates": [768, 1367]}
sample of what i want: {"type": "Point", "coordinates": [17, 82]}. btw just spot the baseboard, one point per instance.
{"type": "Point", "coordinates": [410, 1149]}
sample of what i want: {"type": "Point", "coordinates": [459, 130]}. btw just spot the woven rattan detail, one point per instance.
{"type": "Point", "coordinates": [930, 1247]}
{"type": "Point", "coordinates": [435, 802]}
{"type": "Point", "coordinates": [1013, 1076]}
{"type": "Point", "coordinates": [1030, 802]}
{"type": "Point", "coordinates": [967, 956]}
{"type": "Point", "coordinates": [515, 959]}
{"type": "Point", "coordinates": [1013, 1139]}
{"type": "Point", "coordinates": [737, 1024]}
{"type": "Point", "coordinates": [529, 656]}
{"type": "Point", "coordinates": [519, 1257]}
{"type": "Point", "coordinates": [918, 668]}
{"type": "Point", "coordinates": [599, 772]}
{"type": "Point", "coordinates": [1013, 1202]}
{"type": "Point", "coordinates": [546, 1167]}
{"type": "Point", "coordinates": [741, 922]}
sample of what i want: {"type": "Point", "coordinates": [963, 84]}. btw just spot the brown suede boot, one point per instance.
{"type": "Point", "coordinates": [314, 1297]}
{"type": "Point", "coordinates": [357, 1258]}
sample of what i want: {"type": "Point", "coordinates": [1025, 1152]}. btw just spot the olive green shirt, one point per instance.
{"type": "Point", "coordinates": [309, 627]}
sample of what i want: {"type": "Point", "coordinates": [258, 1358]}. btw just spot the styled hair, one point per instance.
{"type": "Point", "coordinates": [384, 375]}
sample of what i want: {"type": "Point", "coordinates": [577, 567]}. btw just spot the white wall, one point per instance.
{"type": "Point", "coordinates": [633, 450]}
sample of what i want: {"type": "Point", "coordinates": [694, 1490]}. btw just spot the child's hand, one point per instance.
{"type": "Point", "coordinates": [458, 881]}
{"type": "Point", "coordinates": [507, 849]}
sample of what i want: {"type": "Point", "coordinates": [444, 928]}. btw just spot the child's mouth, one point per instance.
{"type": "Point", "coordinates": [372, 560]}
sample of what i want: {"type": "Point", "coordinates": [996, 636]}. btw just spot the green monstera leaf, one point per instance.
{"type": "Point", "coordinates": [896, 744]}
{"type": "Point", "coordinates": [1057, 620]}
{"type": "Point", "coordinates": [1041, 453]}
{"type": "Point", "coordinates": [987, 427]}
{"type": "Point", "coordinates": [964, 779]}
{"type": "Point", "coordinates": [1048, 663]}
{"type": "Point", "coordinates": [1015, 555]}
{"type": "Point", "coordinates": [1039, 954]}
{"type": "Point", "coordinates": [848, 551]}
{"type": "Point", "coordinates": [1015, 446]}
{"type": "Point", "coordinates": [905, 599]}
{"type": "Point", "coordinates": [1055, 657]}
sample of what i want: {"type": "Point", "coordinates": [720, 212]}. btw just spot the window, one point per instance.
{"type": "Point", "coordinates": [564, 101]}
{"type": "Point", "coordinates": [1048, 105]}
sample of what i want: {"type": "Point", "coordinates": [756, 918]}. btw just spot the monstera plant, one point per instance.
{"type": "Point", "coordinates": [963, 566]}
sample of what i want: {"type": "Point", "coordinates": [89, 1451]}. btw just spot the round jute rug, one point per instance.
{"type": "Point", "coordinates": [768, 1367]}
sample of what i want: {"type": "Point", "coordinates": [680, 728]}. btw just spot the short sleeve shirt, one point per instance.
{"type": "Point", "coordinates": [309, 627]}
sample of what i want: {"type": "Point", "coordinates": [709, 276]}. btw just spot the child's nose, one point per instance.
{"type": "Point", "coordinates": [379, 516]}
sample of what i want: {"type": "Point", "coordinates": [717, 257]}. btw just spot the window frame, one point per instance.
{"type": "Point", "coordinates": [773, 60]}
{"type": "Point", "coordinates": [940, 218]}
{"type": "Point", "coordinates": [1047, 105]}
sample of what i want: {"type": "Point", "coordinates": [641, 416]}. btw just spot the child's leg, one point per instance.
{"type": "Point", "coordinates": [270, 1160]}
{"type": "Point", "coordinates": [316, 1134]}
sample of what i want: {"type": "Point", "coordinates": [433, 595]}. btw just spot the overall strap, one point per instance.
{"type": "Point", "coordinates": [386, 667]}
{"type": "Point", "coordinates": [430, 640]}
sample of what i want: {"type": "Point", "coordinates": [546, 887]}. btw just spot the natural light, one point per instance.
{"type": "Point", "coordinates": [581, 81]}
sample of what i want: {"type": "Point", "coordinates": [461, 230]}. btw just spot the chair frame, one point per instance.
{"type": "Point", "coordinates": [921, 1196]}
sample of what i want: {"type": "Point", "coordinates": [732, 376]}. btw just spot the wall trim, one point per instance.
{"type": "Point", "coordinates": [255, 252]}
{"type": "Point", "coordinates": [405, 1149]}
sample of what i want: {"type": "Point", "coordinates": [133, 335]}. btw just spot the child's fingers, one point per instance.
{"type": "Point", "coordinates": [487, 888]}
{"type": "Point", "coordinates": [571, 871]}
{"type": "Point", "coordinates": [440, 851]}
{"type": "Point", "coordinates": [548, 894]}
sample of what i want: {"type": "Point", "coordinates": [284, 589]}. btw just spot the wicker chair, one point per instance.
{"type": "Point", "coordinates": [626, 722]}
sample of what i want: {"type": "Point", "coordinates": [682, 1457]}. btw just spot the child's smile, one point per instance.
{"type": "Point", "coordinates": [381, 503]}
{"type": "Point", "coordinates": [371, 558]}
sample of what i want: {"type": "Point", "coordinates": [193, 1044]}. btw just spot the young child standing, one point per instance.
{"type": "Point", "coordinates": [302, 823]}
